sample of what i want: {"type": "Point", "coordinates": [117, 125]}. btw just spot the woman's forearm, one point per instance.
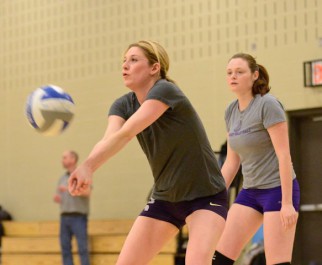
{"type": "Point", "coordinates": [106, 148]}
{"type": "Point", "coordinates": [229, 171]}
{"type": "Point", "coordinates": [285, 168]}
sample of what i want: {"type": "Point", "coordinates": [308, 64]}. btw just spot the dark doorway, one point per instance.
{"type": "Point", "coordinates": [306, 150]}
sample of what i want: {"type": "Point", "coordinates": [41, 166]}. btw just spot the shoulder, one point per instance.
{"type": "Point", "coordinates": [164, 86]}
{"type": "Point", "coordinates": [268, 100]}
{"type": "Point", "coordinates": [271, 110]}
{"type": "Point", "coordinates": [122, 106]}
{"type": "Point", "coordinates": [229, 110]}
{"type": "Point", "coordinates": [167, 92]}
{"type": "Point", "coordinates": [267, 97]}
{"type": "Point", "coordinates": [122, 102]}
{"type": "Point", "coordinates": [233, 105]}
{"type": "Point", "coordinates": [124, 99]}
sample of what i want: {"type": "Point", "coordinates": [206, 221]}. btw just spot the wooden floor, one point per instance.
{"type": "Point", "coordinates": [37, 243]}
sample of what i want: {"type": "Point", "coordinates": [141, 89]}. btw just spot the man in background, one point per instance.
{"type": "Point", "coordinates": [73, 214]}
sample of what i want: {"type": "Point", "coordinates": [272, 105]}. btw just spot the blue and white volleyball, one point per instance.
{"type": "Point", "coordinates": [49, 110]}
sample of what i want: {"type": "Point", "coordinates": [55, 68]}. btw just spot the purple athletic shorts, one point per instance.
{"type": "Point", "coordinates": [177, 212]}
{"type": "Point", "coordinates": [267, 200]}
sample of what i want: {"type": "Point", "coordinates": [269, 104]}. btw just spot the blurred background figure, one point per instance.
{"type": "Point", "coordinates": [73, 214]}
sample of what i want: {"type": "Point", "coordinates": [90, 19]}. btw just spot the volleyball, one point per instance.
{"type": "Point", "coordinates": [49, 109]}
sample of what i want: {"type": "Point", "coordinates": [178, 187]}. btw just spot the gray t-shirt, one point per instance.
{"type": "Point", "coordinates": [249, 138]}
{"type": "Point", "coordinates": [176, 145]}
{"type": "Point", "coordinates": [69, 203]}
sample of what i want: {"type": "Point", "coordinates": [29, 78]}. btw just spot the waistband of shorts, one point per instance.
{"type": "Point", "coordinates": [294, 181]}
{"type": "Point", "coordinates": [73, 214]}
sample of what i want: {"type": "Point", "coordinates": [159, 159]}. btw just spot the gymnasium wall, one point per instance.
{"type": "Point", "coordinates": [78, 45]}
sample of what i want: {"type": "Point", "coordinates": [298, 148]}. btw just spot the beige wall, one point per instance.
{"type": "Point", "coordinates": [78, 45]}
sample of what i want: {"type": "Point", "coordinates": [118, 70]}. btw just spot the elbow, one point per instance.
{"type": "Point", "coordinates": [126, 135]}
{"type": "Point", "coordinates": [122, 136]}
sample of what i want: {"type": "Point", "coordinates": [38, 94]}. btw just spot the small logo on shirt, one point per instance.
{"type": "Point", "coordinates": [214, 204]}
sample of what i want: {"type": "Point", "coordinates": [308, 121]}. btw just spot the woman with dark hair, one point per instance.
{"type": "Point", "coordinates": [258, 141]}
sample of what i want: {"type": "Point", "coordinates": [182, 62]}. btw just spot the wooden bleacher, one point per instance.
{"type": "Point", "coordinates": [37, 243]}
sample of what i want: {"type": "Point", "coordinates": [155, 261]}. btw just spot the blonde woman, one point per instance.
{"type": "Point", "coordinates": [258, 140]}
{"type": "Point", "coordinates": [188, 186]}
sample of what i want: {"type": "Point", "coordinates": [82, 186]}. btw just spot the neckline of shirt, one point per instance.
{"type": "Point", "coordinates": [248, 107]}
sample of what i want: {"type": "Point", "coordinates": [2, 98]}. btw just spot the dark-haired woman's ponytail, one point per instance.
{"type": "Point", "coordinates": [261, 85]}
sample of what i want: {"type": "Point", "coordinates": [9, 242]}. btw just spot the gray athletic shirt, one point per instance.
{"type": "Point", "coordinates": [69, 203]}
{"type": "Point", "coordinates": [249, 138]}
{"type": "Point", "coordinates": [176, 145]}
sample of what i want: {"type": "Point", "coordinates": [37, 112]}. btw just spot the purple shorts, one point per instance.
{"type": "Point", "coordinates": [177, 212]}
{"type": "Point", "coordinates": [267, 200]}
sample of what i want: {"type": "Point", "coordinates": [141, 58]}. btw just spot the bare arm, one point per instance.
{"type": "Point", "coordinates": [119, 132]}
{"type": "Point", "coordinates": [279, 136]}
{"type": "Point", "coordinates": [231, 166]}
{"type": "Point", "coordinates": [113, 142]}
{"type": "Point", "coordinates": [115, 124]}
